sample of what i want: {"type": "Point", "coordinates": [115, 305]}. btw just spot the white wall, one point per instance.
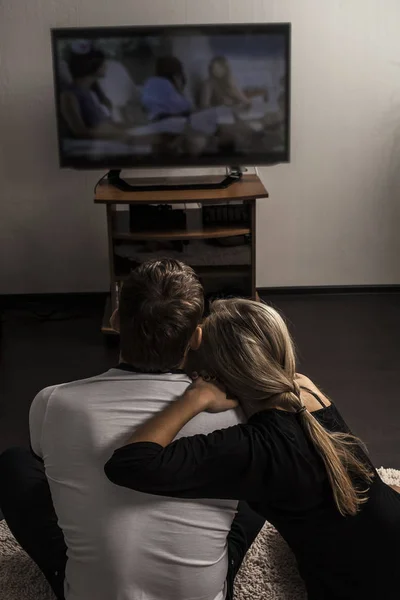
{"type": "Point", "coordinates": [333, 215]}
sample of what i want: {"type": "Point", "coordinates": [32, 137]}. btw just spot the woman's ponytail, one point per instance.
{"type": "Point", "coordinates": [249, 349]}
{"type": "Point", "coordinates": [338, 451]}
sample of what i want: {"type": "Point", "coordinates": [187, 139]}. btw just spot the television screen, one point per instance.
{"type": "Point", "coordinates": [172, 96]}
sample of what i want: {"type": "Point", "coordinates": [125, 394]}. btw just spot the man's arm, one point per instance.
{"type": "Point", "coordinates": [37, 416]}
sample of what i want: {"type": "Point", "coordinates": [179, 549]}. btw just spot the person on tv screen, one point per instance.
{"type": "Point", "coordinates": [81, 102]}
{"type": "Point", "coordinates": [163, 93]}
{"type": "Point", "coordinates": [221, 89]}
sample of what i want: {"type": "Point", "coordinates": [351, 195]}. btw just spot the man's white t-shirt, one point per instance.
{"type": "Point", "coordinates": [122, 544]}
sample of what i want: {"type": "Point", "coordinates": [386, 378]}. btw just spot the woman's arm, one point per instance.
{"type": "Point", "coordinates": [222, 464]}
{"type": "Point", "coordinates": [238, 94]}
{"type": "Point", "coordinates": [164, 426]}
{"type": "Point", "coordinates": [70, 111]}
{"type": "Point", "coordinates": [96, 88]}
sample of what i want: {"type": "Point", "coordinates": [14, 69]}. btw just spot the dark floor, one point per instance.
{"type": "Point", "coordinates": [349, 344]}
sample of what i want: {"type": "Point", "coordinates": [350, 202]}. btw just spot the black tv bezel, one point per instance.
{"type": "Point", "coordinates": [226, 160]}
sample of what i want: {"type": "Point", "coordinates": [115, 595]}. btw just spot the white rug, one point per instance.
{"type": "Point", "coordinates": [268, 572]}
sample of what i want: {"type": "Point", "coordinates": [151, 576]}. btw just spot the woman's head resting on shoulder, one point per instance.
{"type": "Point", "coordinates": [247, 347]}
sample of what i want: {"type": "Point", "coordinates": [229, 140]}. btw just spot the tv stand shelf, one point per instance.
{"type": "Point", "coordinates": [246, 190]}
{"type": "Point", "coordinates": [182, 234]}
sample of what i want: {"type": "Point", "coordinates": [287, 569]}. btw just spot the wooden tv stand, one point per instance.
{"type": "Point", "coordinates": [247, 190]}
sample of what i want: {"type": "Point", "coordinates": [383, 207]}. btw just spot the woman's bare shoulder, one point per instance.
{"type": "Point", "coordinates": [305, 382]}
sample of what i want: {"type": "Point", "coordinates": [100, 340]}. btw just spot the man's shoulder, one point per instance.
{"type": "Point", "coordinates": [47, 393]}
{"type": "Point", "coordinates": [111, 374]}
{"type": "Point", "coordinates": [157, 83]}
{"type": "Point", "coordinates": [114, 384]}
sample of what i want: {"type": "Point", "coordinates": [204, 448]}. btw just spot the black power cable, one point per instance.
{"type": "Point", "coordinates": [99, 181]}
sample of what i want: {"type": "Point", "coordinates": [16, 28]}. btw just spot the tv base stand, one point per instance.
{"type": "Point", "coordinates": [234, 175]}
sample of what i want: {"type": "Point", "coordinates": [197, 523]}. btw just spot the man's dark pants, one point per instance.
{"type": "Point", "coordinates": [27, 506]}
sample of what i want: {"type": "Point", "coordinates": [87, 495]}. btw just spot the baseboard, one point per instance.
{"type": "Point", "coordinates": [16, 301]}
{"type": "Point", "coordinates": [329, 289]}
{"type": "Point", "coordinates": [13, 301]}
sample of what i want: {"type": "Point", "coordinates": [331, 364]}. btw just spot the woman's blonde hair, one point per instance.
{"type": "Point", "coordinates": [247, 346]}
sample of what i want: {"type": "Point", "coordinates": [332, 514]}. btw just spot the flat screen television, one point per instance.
{"type": "Point", "coordinates": [212, 95]}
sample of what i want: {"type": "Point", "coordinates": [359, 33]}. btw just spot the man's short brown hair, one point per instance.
{"type": "Point", "coordinates": [161, 304]}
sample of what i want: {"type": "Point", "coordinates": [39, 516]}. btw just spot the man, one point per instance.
{"type": "Point", "coordinates": [120, 544]}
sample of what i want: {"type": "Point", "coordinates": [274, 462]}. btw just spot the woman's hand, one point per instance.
{"type": "Point", "coordinates": [210, 395]}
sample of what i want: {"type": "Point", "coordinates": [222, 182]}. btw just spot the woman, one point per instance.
{"type": "Point", "coordinates": [221, 89]}
{"type": "Point", "coordinates": [294, 462]}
